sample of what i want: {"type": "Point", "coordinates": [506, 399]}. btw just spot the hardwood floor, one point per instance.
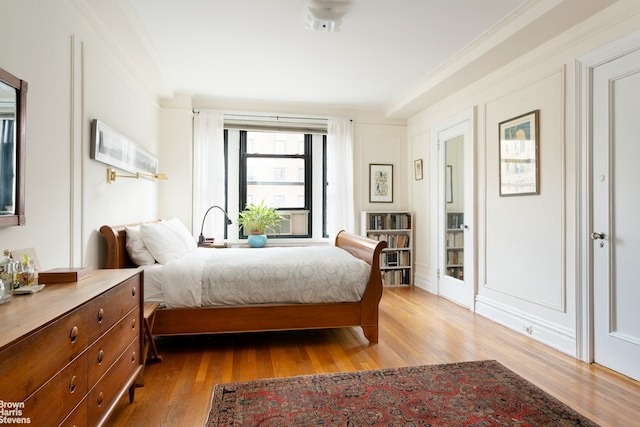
{"type": "Point", "coordinates": [417, 328]}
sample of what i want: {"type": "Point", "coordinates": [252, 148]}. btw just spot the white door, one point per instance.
{"type": "Point", "coordinates": [455, 210]}
{"type": "Point", "coordinates": [616, 207]}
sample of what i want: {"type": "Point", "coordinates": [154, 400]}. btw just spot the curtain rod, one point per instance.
{"type": "Point", "coordinates": [265, 116]}
{"type": "Point", "coordinates": [277, 117]}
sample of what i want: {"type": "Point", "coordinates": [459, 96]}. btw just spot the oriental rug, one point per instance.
{"type": "Point", "coordinates": [482, 393]}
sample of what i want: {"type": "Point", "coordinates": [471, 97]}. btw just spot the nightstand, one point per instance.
{"type": "Point", "coordinates": [149, 314]}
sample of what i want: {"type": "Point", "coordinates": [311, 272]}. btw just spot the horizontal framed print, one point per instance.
{"type": "Point", "coordinates": [380, 183]}
{"type": "Point", "coordinates": [417, 169]}
{"type": "Point", "coordinates": [114, 149]}
{"type": "Point", "coordinates": [518, 155]}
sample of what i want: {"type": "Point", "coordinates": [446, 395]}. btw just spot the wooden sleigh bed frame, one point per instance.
{"type": "Point", "coordinates": [268, 317]}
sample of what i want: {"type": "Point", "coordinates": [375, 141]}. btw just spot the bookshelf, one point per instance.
{"type": "Point", "coordinates": [396, 228]}
{"type": "Point", "coordinates": [455, 245]}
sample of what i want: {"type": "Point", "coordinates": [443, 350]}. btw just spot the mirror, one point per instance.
{"type": "Point", "coordinates": [454, 191]}
{"type": "Point", "coordinates": [13, 112]}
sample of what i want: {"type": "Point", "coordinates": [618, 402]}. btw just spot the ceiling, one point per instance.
{"type": "Point", "coordinates": [395, 56]}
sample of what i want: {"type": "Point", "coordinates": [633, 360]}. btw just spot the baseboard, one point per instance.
{"type": "Point", "coordinates": [424, 282]}
{"type": "Point", "coordinates": [555, 336]}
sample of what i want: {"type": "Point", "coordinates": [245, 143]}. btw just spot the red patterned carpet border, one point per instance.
{"type": "Point", "coordinates": [482, 393]}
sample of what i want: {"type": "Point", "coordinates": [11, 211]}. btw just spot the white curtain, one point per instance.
{"type": "Point", "coordinates": [208, 173]}
{"type": "Point", "coordinates": [340, 207]}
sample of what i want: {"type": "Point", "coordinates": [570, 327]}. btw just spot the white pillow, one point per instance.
{"type": "Point", "coordinates": [162, 241]}
{"type": "Point", "coordinates": [138, 252]}
{"type": "Point", "coordinates": [184, 234]}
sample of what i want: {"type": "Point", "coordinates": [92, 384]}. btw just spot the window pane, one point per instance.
{"type": "Point", "coordinates": [277, 181]}
{"type": "Point", "coordinates": [274, 143]}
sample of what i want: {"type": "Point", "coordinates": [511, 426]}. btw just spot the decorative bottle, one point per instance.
{"type": "Point", "coordinates": [6, 277]}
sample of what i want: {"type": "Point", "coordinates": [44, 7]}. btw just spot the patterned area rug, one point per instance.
{"type": "Point", "coordinates": [483, 393]}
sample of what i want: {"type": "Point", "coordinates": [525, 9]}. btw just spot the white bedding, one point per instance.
{"type": "Point", "coordinates": [153, 283]}
{"type": "Point", "coordinates": [238, 276]}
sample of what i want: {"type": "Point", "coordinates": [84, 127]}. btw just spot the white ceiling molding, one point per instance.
{"type": "Point", "coordinates": [530, 25]}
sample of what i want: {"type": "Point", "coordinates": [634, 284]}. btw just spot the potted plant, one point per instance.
{"type": "Point", "coordinates": [257, 220]}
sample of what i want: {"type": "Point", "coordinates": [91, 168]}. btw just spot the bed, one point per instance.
{"type": "Point", "coordinates": [265, 316]}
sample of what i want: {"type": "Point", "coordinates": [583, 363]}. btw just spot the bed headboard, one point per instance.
{"type": "Point", "coordinates": [117, 255]}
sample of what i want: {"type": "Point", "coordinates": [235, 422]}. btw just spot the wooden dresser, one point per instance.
{"type": "Point", "coordinates": [69, 352]}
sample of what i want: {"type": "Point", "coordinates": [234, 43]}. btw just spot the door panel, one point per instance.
{"type": "Point", "coordinates": [615, 234]}
{"type": "Point", "coordinates": [455, 210]}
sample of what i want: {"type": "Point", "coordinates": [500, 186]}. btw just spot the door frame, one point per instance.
{"type": "Point", "coordinates": [441, 132]}
{"type": "Point", "coordinates": [584, 201]}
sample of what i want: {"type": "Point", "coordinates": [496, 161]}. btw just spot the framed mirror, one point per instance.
{"type": "Point", "coordinates": [13, 118]}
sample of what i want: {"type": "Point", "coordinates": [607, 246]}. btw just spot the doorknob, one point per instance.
{"type": "Point", "coordinates": [464, 227]}
{"type": "Point", "coordinates": [597, 236]}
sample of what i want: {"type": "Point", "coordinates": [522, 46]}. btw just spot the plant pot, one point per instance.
{"type": "Point", "coordinates": [257, 240]}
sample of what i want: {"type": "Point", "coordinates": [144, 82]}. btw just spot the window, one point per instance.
{"type": "Point", "coordinates": [279, 170]}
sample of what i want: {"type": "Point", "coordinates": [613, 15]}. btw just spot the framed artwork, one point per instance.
{"type": "Point", "coordinates": [18, 254]}
{"type": "Point", "coordinates": [518, 155]}
{"type": "Point", "coordinates": [115, 149]}
{"type": "Point", "coordinates": [417, 169]}
{"type": "Point", "coordinates": [380, 183]}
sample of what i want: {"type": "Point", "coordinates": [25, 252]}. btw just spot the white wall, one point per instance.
{"type": "Point", "coordinates": [176, 151]}
{"type": "Point", "coordinates": [526, 246]}
{"type": "Point", "coordinates": [380, 144]}
{"type": "Point", "coordinates": [74, 76]}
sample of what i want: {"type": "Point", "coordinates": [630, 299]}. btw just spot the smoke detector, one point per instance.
{"type": "Point", "coordinates": [324, 19]}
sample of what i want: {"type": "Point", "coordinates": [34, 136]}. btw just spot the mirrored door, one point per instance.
{"type": "Point", "coordinates": [455, 209]}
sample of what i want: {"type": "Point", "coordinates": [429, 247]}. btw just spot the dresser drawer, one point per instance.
{"type": "Point", "coordinates": [41, 354]}
{"type": "Point", "coordinates": [78, 418]}
{"type": "Point", "coordinates": [51, 403]}
{"type": "Point", "coordinates": [104, 352]}
{"type": "Point", "coordinates": [110, 307]}
{"type": "Point", "coordinates": [105, 394]}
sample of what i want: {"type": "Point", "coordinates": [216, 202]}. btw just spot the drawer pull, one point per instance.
{"type": "Point", "coordinates": [72, 384]}
{"type": "Point", "coordinates": [100, 315]}
{"type": "Point", "coordinates": [73, 335]}
{"type": "Point", "coordinates": [133, 324]}
{"type": "Point", "coordinates": [100, 398]}
{"type": "Point", "coordinates": [100, 357]}
{"type": "Point", "coordinates": [133, 357]}
{"type": "Point", "coordinates": [133, 291]}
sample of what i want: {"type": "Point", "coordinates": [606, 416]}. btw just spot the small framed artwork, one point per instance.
{"type": "Point", "coordinates": [417, 169]}
{"type": "Point", "coordinates": [30, 253]}
{"type": "Point", "coordinates": [380, 183]}
{"type": "Point", "coordinates": [518, 155]}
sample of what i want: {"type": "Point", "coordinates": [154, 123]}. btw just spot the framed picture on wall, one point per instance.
{"type": "Point", "coordinates": [519, 160]}
{"type": "Point", "coordinates": [417, 169]}
{"type": "Point", "coordinates": [114, 149]}
{"type": "Point", "coordinates": [380, 183]}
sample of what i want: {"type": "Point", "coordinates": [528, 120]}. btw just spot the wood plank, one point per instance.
{"type": "Point", "coordinates": [416, 328]}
